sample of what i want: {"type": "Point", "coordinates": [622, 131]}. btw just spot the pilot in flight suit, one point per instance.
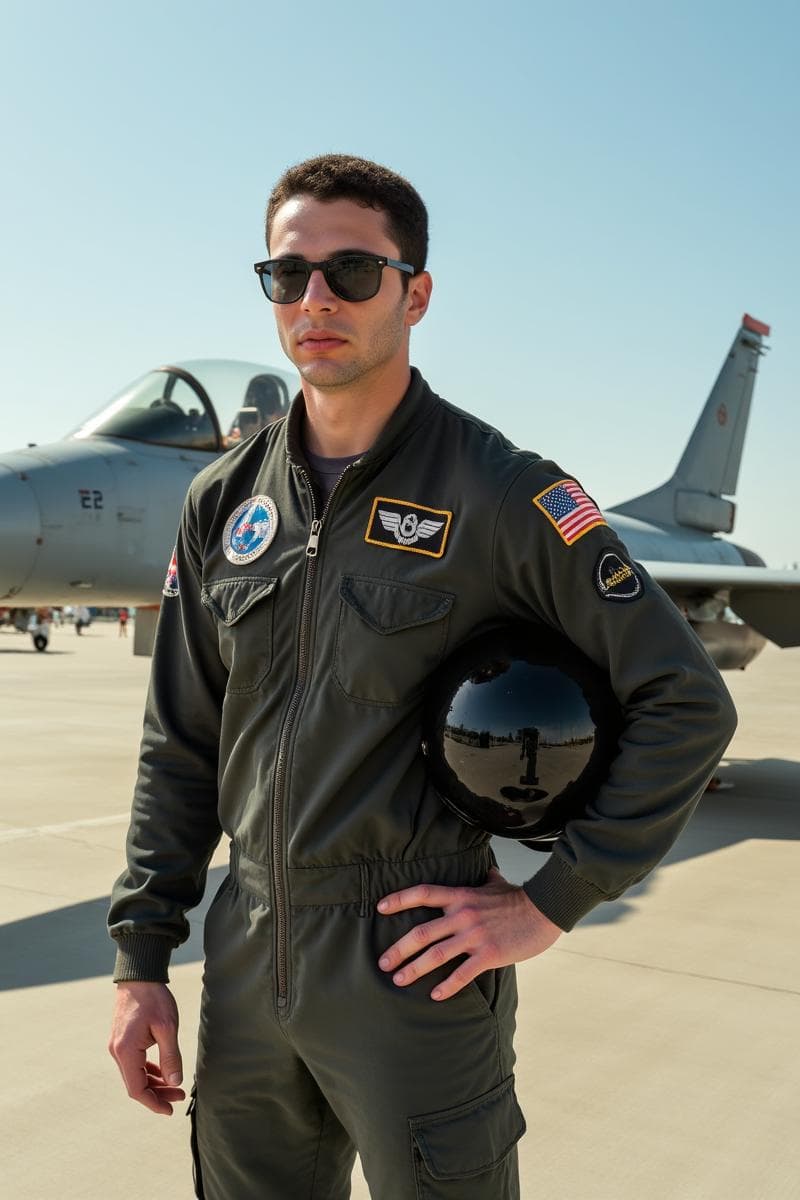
{"type": "Point", "coordinates": [290, 662]}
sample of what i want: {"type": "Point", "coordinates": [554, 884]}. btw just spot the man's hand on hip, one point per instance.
{"type": "Point", "coordinates": [146, 1015]}
{"type": "Point", "coordinates": [493, 925]}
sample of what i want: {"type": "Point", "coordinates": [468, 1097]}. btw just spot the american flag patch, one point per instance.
{"type": "Point", "coordinates": [569, 509]}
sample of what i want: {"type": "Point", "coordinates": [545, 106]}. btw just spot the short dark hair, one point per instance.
{"type": "Point", "coordinates": [344, 177]}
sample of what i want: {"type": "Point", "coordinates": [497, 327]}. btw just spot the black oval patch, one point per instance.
{"type": "Point", "coordinates": [616, 579]}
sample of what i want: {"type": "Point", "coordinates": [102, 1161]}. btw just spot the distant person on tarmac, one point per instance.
{"type": "Point", "coordinates": [123, 622]}
{"type": "Point", "coordinates": [83, 619]}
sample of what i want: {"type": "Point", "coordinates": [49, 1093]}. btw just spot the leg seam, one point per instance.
{"type": "Point", "coordinates": [317, 1155]}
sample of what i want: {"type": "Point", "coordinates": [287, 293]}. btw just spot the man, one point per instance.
{"type": "Point", "coordinates": [358, 989]}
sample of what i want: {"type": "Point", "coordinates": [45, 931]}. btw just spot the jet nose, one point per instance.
{"type": "Point", "coordinates": [20, 530]}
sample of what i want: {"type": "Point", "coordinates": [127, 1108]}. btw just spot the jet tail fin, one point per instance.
{"type": "Point", "coordinates": [708, 471]}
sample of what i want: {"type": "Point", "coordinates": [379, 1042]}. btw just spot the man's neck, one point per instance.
{"type": "Point", "coordinates": [344, 421]}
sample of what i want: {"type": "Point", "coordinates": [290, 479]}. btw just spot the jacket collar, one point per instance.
{"type": "Point", "coordinates": [413, 409]}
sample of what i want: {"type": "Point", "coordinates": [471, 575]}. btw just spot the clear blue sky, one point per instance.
{"type": "Point", "coordinates": [610, 187]}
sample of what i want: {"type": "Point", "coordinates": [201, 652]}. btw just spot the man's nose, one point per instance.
{"type": "Point", "coordinates": [318, 294]}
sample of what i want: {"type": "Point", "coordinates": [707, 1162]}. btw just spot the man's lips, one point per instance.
{"type": "Point", "coordinates": [320, 339]}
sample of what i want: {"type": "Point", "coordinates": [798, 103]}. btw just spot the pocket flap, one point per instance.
{"type": "Point", "coordinates": [388, 607]}
{"type": "Point", "coordinates": [229, 599]}
{"type": "Point", "coordinates": [471, 1138]}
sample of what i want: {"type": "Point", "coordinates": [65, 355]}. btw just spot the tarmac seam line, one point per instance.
{"type": "Point", "coordinates": [14, 835]}
{"type": "Point", "coordinates": [24, 891]}
{"type": "Point", "coordinates": [624, 962]}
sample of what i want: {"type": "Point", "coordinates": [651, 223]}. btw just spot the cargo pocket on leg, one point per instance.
{"type": "Point", "coordinates": [468, 1152]}
{"type": "Point", "coordinates": [197, 1174]}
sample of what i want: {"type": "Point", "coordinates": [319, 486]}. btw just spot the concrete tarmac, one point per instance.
{"type": "Point", "coordinates": [657, 1043]}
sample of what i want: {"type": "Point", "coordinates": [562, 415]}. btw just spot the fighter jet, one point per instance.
{"type": "Point", "coordinates": [734, 602]}
{"type": "Point", "coordinates": [91, 519]}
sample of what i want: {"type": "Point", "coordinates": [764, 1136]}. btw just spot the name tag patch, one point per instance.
{"type": "Point", "coordinates": [616, 579]}
{"type": "Point", "coordinates": [403, 525]}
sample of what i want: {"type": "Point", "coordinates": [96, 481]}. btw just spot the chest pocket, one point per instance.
{"type": "Point", "coordinates": [389, 638]}
{"type": "Point", "coordinates": [242, 609]}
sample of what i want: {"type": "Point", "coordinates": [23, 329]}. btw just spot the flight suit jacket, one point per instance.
{"type": "Point", "coordinates": [285, 698]}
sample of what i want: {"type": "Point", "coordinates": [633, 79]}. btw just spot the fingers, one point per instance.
{"type": "Point", "coordinates": [169, 1055]}
{"type": "Point", "coordinates": [146, 1015]}
{"type": "Point", "coordinates": [422, 895]}
{"type": "Point", "coordinates": [439, 940]}
{"type": "Point", "coordinates": [430, 895]}
{"type": "Point", "coordinates": [156, 1084]}
{"type": "Point", "coordinates": [426, 948]}
{"type": "Point", "coordinates": [414, 941]}
{"type": "Point", "coordinates": [488, 926]}
{"type": "Point", "coordinates": [435, 956]}
{"type": "Point", "coordinates": [145, 1084]}
{"type": "Point", "coordinates": [464, 973]}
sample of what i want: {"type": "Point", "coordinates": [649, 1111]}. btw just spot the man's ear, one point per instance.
{"type": "Point", "coordinates": [418, 297]}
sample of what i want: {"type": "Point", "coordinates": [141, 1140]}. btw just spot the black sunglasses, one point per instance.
{"type": "Point", "coordinates": [351, 277]}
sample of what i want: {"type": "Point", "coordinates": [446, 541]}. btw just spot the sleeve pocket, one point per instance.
{"type": "Point", "coordinates": [469, 1141]}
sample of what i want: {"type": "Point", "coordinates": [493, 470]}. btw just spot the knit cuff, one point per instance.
{"type": "Point", "coordinates": [144, 957]}
{"type": "Point", "coordinates": [561, 894]}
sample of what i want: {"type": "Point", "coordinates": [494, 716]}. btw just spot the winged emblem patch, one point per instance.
{"type": "Point", "coordinates": [402, 525]}
{"type": "Point", "coordinates": [408, 529]}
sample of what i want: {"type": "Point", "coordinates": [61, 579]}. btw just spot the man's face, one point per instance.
{"type": "Point", "coordinates": [333, 342]}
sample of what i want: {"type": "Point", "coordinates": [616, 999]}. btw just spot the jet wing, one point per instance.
{"type": "Point", "coordinates": [766, 599]}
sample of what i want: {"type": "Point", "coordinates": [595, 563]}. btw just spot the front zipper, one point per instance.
{"type": "Point", "coordinates": [279, 865]}
{"type": "Point", "coordinates": [313, 540]}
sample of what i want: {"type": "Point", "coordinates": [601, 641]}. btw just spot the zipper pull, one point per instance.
{"type": "Point", "coordinates": [313, 539]}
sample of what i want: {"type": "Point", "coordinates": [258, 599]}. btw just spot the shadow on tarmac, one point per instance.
{"type": "Point", "coordinates": [71, 943]}
{"type": "Point", "coordinates": [34, 651]}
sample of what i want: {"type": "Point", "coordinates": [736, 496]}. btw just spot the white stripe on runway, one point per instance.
{"type": "Point", "coordinates": [14, 835]}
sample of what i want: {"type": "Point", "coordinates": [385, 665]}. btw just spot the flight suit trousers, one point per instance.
{"type": "Point", "coordinates": [422, 1090]}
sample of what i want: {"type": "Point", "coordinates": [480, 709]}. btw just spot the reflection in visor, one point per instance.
{"type": "Point", "coordinates": [520, 729]}
{"type": "Point", "coordinates": [516, 745]}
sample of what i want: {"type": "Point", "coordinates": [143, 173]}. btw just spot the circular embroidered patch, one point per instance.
{"type": "Point", "coordinates": [249, 530]}
{"type": "Point", "coordinates": [616, 579]}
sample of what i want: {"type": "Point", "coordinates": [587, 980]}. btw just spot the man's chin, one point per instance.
{"type": "Point", "coordinates": [327, 374]}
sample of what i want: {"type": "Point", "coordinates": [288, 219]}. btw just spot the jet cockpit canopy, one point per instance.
{"type": "Point", "coordinates": [206, 404]}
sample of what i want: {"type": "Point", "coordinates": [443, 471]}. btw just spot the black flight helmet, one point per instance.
{"type": "Point", "coordinates": [519, 731]}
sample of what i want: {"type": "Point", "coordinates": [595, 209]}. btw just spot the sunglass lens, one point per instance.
{"type": "Point", "coordinates": [354, 276]}
{"type": "Point", "coordinates": [286, 281]}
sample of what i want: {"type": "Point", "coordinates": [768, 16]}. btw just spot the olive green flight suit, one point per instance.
{"type": "Point", "coordinates": [284, 711]}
